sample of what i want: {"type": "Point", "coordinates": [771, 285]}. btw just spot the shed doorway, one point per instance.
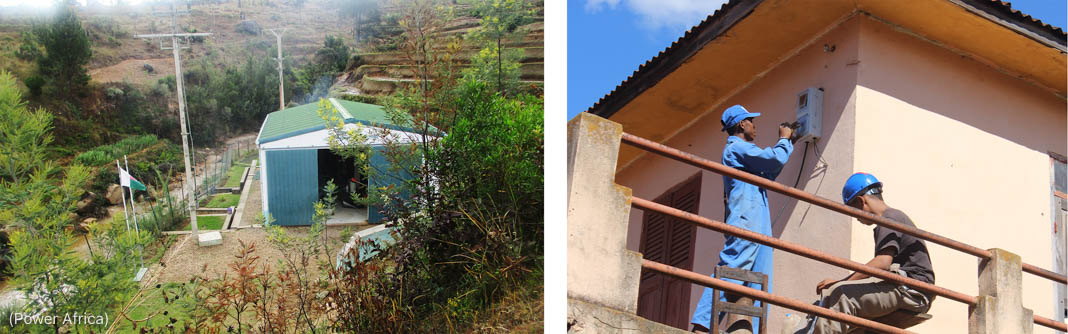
{"type": "Point", "coordinates": [349, 180]}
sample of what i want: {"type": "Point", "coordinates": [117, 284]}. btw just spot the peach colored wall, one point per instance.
{"type": "Point", "coordinates": [774, 96]}
{"type": "Point", "coordinates": [962, 149]}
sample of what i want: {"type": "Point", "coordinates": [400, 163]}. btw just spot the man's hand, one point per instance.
{"type": "Point", "coordinates": [824, 284]}
{"type": "Point", "coordinates": [785, 131]}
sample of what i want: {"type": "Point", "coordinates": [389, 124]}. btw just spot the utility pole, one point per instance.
{"type": "Point", "coordinates": [281, 83]}
{"type": "Point", "coordinates": [176, 46]}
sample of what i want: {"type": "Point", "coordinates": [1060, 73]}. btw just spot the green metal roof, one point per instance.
{"type": "Point", "coordinates": [305, 118]}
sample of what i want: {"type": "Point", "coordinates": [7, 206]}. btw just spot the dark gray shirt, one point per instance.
{"type": "Point", "coordinates": [911, 252]}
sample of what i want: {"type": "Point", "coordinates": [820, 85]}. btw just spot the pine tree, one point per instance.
{"type": "Point", "coordinates": [67, 51]}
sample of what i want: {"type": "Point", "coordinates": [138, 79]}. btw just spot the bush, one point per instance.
{"type": "Point", "coordinates": [35, 83]}
{"type": "Point", "coordinates": [369, 99]}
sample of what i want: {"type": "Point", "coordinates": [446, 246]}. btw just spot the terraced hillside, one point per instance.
{"type": "Point", "coordinates": [382, 73]}
{"type": "Point", "coordinates": [118, 56]}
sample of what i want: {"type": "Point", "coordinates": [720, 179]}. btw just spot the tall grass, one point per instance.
{"type": "Point", "coordinates": [167, 214]}
{"type": "Point", "coordinates": [106, 153]}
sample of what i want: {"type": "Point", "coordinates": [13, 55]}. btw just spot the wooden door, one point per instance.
{"type": "Point", "coordinates": [670, 241]}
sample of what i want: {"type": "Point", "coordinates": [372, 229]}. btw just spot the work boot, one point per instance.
{"type": "Point", "coordinates": [699, 329]}
{"type": "Point", "coordinates": [796, 324]}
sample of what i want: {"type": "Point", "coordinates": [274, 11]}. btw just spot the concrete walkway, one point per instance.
{"type": "Point", "coordinates": [239, 212]}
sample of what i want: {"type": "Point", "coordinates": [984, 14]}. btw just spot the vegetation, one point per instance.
{"type": "Point", "coordinates": [314, 79]}
{"type": "Point", "coordinates": [223, 201]}
{"type": "Point", "coordinates": [474, 232]}
{"type": "Point", "coordinates": [232, 100]}
{"type": "Point", "coordinates": [109, 153]}
{"type": "Point", "coordinates": [465, 208]}
{"type": "Point", "coordinates": [360, 12]}
{"type": "Point", "coordinates": [234, 174]}
{"type": "Point", "coordinates": [207, 223]}
{"type": "Point", "coordinates": [37, 199]}
{"type": "Point", "coordinates": [67, 51]}
{"type": "Point", "coordinates": [500, 21]}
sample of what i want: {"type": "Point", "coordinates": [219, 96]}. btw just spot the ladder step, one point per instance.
{"type": "Point", "coordinates": [739, 274]}
{"type": "Point", "coordinates": [735, 308]}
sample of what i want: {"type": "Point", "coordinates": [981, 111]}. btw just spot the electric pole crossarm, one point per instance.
{"type": "Point", "coordinates": [191, 34]}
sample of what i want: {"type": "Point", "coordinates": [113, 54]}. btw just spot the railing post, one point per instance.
{"type": "Point", "coordinates": [999, 307]}
{"type": "Point", "coordinates": [600, 270]}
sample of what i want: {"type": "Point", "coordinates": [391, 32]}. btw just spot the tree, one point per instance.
{"type": "Point", "coordinates": [360, 11]}
{"type": "Point", "coordinates": [67, 51]}
{"type": "Point", "coordinates": [500, 20]}
{"type": "Point", "coordinates": [37, 199]}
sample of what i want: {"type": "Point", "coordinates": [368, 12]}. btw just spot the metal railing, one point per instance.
{"type": "Point", "coordinates": [722, 227]}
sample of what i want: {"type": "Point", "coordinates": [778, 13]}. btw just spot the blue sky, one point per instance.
{"type": "Point", "coordinates": [608, 39]}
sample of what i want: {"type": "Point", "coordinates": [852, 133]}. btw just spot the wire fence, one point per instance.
{"type": "Point", "coordinates": [212, 173]}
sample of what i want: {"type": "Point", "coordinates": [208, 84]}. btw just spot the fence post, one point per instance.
{"type": "Point", "coordinates": [999, 306]}
{"type": "Point", "coordinates": [600, 270]}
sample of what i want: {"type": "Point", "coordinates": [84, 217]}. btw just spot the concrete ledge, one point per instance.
{"type": "Point", "coordinates": [584, 317]}
{"type": "Point", "coordinates": [211, 211]}
{"type": "Point", "coordinates": [244, 177]}
{"type": "Point", "coordinates": [229, 219]}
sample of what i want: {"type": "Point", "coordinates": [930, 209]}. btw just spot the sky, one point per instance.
{"type": "Point", "coordinates": [608, 39]}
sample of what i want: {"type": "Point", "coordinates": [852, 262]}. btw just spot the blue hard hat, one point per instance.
{"type": "Point", "coordinates": [858, 184]}
{"type": "Point", "coordinates": [735, 114]}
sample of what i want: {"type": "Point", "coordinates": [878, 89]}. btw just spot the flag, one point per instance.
{"type": "Point", "coordinates": [129, 181]}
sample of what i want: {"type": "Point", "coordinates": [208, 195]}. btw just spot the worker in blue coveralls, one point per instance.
{"type": "Point", "coordinates": [746, 207]}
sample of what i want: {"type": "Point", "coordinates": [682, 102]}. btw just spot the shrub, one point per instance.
{"type": "Point", "coordinates": [35, 83]}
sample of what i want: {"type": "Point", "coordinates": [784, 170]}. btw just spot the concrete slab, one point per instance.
{"type": "Point", "coordinates": [344, 215]}
{"type": "Point", "coordinates": [584, 317]}
{"type": "Point", "coordinates": [213, 238]}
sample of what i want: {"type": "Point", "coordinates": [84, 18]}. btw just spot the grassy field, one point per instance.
{"type": "Point", "coordinates": [223, 201]}
{"type": "Point", "coordinates": [233, 176]}
{"type": "Point", "coordinates": [207, 223]}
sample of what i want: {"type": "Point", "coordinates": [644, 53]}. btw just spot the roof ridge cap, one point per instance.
{"type": "Point", "coordinates": [346, 115]}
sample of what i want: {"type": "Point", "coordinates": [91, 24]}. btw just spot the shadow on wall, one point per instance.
{"type": "Point", "coordinates": [964, 90]}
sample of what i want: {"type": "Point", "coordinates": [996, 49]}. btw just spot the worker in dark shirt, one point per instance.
{"type": "Point", "coordinates": [871, 297]}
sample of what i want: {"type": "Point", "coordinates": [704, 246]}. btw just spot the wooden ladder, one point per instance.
{"type": "Point", "coordinates": [736, 308]}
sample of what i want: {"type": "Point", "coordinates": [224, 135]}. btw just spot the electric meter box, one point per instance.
{"type": "Point", "coordinates": [809, 114]}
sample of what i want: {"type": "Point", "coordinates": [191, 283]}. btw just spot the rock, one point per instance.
{"type": "Point", "coordinates": [249, 27]}
{"type": "Point", "coordinates": [89, 221]}
{"type": "Point", "coordinates": [114, 194]}
{"type": "Point", "coordinates": [84, 204]}
{"type": "Point", "coordinates": [82, 228]}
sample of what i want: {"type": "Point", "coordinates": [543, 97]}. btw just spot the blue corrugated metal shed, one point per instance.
{"type": "Point", "coordinates": [291, 174]}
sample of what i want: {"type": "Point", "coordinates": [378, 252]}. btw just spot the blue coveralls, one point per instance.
{"type": "Point", "coordinates": [747, 207]}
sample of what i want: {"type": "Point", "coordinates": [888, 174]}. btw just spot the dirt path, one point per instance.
{"type": "Point", "coordinates": [185, 259]}
{"type": "Point", "coordinates": [254, 203]}
{"type": "Point", "coordinates": [133, 71]}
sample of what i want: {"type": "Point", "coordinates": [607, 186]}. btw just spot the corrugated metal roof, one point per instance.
{"type": "Point", "coordinates": [290, 122]}
{"type": "Point", "coordinates": [655, 69]}
{"type": "Point", "coordinates": [305, 118]}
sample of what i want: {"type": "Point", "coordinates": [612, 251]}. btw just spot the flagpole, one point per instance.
{"type": "Point", "coordinates": [140, 252]}
{"type": "Point", "coordinates": [132, 205]}
{"type": "Point", "coordinates": [124, 212]}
